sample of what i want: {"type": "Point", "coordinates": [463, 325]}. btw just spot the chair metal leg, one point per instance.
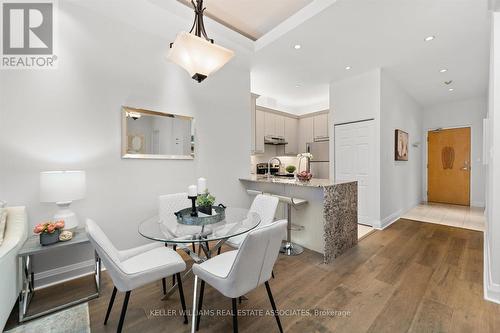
{"type": "Point", "coordinates": [183, 301]}
{"type": "Point", "coordinates": [276, 314]}
{"type": "Point", "coordinates": [124, 311]}
{"type": "Point", "coordinates": [193, 319]}
{"type": "Point", "coordinates": [164, 285]}
{"type": "Point", "coordinates": [110, 305]}
{"type": "Point", "coordinates": [235, 316]}
{"type": "Point", "coordinates": [200, 303]}
{"type": "Point", "coordinates": [218, 250]}
{"type": "Point", "coordinates": [174, 247]}
{"type": "Point", "coordinates": [194, 248]}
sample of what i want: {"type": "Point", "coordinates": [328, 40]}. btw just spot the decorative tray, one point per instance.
{"type": "Point", "coordinates": [218, 215]}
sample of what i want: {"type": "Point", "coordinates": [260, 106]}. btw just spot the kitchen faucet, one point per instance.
{"type": "Point", "coordinates": [269, 166]}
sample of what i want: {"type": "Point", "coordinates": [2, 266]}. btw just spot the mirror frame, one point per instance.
{"type": "Point", "coordinates": [124, 143]}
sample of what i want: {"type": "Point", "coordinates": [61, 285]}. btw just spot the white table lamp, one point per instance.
{"type": "Point", "coordinates": [63, 187]}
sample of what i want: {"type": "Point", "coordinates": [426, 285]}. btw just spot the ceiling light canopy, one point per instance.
{"type": "Point", "coordinates": [444, 70]}
{"type": "Point", "coordinates": [348, 68]}
{"type": "Point", "coordinates": [451, 89]}
{"type": "Point", "coordinates": [197, 53]}
{"type": "Point", "coordinates": [297, 46]}
{"type": "Point", "coordinates": [429, 38]}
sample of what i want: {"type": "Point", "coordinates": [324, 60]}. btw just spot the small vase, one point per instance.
{"type": "Point", "coordinates": [49, 238]}
{"type": "Point", "coordinates": [205, 209]}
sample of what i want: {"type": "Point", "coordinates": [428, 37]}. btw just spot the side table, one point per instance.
{"type": "Point", "coordinates": [32, 247]}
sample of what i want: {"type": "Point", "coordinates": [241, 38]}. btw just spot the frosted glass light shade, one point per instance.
{"type": "Point", "coordinates": [62, 186]}
{"type": "Point", "coordinates": [197, 56]}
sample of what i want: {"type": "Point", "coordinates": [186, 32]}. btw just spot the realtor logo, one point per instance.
{"type": "Point", "coordinates": [28, 35]}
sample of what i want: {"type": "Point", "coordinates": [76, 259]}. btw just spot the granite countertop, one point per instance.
{"type": "Point", "coordinates": [314, 182]}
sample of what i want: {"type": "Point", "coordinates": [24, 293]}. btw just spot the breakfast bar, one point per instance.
{"type": "Point", "coordinates": [328, 223]}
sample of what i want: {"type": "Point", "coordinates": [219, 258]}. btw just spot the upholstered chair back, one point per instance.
{"type": "Point", "coordinates": [255, 259]}
{"type": "Point", "coordinates": [265, 206]}
{"type": "Point", "coordinates": [109, 255]}
{"type": "Point", "coordinates": [172, 203]}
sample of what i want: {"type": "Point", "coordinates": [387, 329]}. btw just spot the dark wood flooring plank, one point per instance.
{"type": "Point", "coordinates": [400, 309]}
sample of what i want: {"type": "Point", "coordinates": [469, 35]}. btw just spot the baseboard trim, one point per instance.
{"type": "Point", "coordinates": [491, 289]}
{"type": "Point", "coordinates": [381, 225]}
{"type": "Point", "coordinates": [479, 204]}
{"type": "Point", "coordinates": [62, 274]}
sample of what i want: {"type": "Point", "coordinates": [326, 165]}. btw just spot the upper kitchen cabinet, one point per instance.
{"type": "Point", "coordinates": [306, 133]}
{"type": "Point", "coordinates": [257, 118]}
{"type": "Point", "coordinates": [269, 124]}
{"type": "Point", "coordinates": [291, 135]}
{"type": "Point", "coordinates": [274, 124]}
{"type": "Point", "coordinates": [279, 123]}
{"type": "Point", "coordinates": [259, 131]}
{"type": "Point", "coordinates": [320, 124]}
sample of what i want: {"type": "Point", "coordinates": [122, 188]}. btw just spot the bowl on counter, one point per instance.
{"type": "Point", "coordinates": [304, 176]}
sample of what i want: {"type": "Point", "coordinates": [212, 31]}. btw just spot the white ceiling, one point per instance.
{"type": "Point", "coordinates": [253, 18]}
{"type": "Point", "coordinates": [366, 34]}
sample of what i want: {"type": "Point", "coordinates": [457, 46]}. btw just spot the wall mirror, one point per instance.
{"type": "Point", "coordinates": [156, 135]}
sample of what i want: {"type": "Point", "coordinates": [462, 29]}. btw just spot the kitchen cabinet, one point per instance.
{"type": "Point", "coordinates": [269, 124]}
{"type": "Point", "coordinates": [320, 124]}
{"type": "Point", "coordinates": [259, 131]}
{"type": "Point", "coordinates": [279, 125]}
{"type": "Point", "coordinates": [306, 133]}
{"type": "Point", "coordinates": [291, 135]}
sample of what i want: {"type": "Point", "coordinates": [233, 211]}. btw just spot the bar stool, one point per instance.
{"type": "Point", "coordinates": [288, 247]}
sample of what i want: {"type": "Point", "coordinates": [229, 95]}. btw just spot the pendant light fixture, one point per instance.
{"type": "Point", "coordinates": [195, 52]}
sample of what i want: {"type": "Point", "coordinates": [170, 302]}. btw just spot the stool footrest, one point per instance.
{"type": "Point", "coordinates": [296, 227]}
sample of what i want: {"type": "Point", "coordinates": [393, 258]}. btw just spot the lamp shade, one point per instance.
{"type": "Point", "coordinates": [62, 186]}
{"type": "Point", "coordinates": [197, 56]}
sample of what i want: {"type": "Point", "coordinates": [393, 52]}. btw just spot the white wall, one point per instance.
{"type": "Point", "coordinates": [470, 113]}
{"type": "Point", "coordinates": [357, 99]}
{"type": "Point", "coordinates": [69, 118]}
{"type": "Point", "coordinates": [401, 181]}
{"type": "Point", "coordinates": [374, 95]}
{"type": "Point", "coordinates": [492, 230]}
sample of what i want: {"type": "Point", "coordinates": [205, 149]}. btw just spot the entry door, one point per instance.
{"type": "Point", "coordinates": [355, 160]}
{"type": "Point", "coordinates": [448, 174]}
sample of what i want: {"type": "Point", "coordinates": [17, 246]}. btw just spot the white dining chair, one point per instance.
{"type": "Point", "coordinates": [265, 206]}
{"type": "Point", "coordinates": [238, 272]}
{"type": "Point", "coordinates": [135, 267]}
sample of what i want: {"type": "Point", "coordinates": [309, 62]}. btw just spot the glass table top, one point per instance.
{"type": "Point", "coordinates": [166, 228]}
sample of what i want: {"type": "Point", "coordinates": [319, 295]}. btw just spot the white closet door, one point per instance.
{"type": "Point", "coordinates": [354, 160]}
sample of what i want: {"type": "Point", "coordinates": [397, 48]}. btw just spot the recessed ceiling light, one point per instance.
{"type": "Point", "coordinates": [429, 38]}
{"type": "Point", "coordinates": [297, 85]}
{"type": "Point", "coordinates": [347, 67]}
{"type": "Point", "coordinates": [444, 70]}
{"type": "Point", "coordinates": [451, 89]}
{"type": "Point", "coordinates": [297, 46]}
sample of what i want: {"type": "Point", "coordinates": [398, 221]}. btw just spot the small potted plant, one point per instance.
{"type": "Point", "coordinates": [49, 232]}
{"type": "Point", "coordinates": [290, 169]}
{"type": "Point", "coordinates": [205, 202]}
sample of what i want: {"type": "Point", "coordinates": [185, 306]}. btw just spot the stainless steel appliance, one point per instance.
{"type": "Point", "coordinates": [275, 140]}
{"type": "Point", "coordinates": [320, 164]}
{"type": "Point", "coordinates": [262, 168]}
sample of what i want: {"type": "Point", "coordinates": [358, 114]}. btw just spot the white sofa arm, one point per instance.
{"type": "Point", "coordinates": [16, 232]}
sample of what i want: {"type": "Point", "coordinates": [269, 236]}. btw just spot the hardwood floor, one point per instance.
{"type": "Point", "coordinates": [411, 277]}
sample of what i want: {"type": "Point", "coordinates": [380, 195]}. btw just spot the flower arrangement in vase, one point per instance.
{"type": "Point", "coordinates": [306, 175]}
{"type": "Point", "coordinates": [49, 232]}
{"type": "Point", "coordinates": [205, 202]}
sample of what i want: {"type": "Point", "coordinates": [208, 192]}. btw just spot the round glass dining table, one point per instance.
{"type": "Point", "coordinates": [168, 230]}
